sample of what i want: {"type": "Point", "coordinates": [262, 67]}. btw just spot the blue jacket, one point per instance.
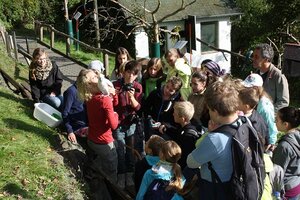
{"type": "Point", "coordinates": [266, 109]}
{"type": "Point", "coordinates": [162, 170]}
{"type": "Point", "coordinates": [73, 110]}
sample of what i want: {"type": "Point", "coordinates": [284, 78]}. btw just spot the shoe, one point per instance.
{"type": "Point", "coordinates": [129, 179]}
{"type": "Point", "coordinates": [121, 181]}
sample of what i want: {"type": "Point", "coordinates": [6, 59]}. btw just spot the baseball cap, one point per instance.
{"type": "Point", "coordinates": [96, 65]}
{"type": "Point", "coordinates": [253, 80]}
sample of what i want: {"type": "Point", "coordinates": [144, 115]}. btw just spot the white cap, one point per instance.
{"type": "Point", "coordinates": [253, 80]}
{"type": "Point", "coordinates": [96, 65]}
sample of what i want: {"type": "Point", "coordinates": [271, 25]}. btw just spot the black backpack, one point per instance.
{"type": "Point", "coordinates": [247, 181]}
{"type": "Point", "coordinates": [157, 190]}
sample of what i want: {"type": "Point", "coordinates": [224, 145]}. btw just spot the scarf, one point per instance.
{"type": "Point", "coordinates": [42, 73]}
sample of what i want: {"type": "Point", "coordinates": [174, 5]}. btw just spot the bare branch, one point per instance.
{"type": "Point", "coordinates": [291, 36]}
{"type": "Point", "coordinates": [221, 50]}
{"type": "Point", "coordinates": [182, 7]}
{"type": "Point", "coordinates": [132, 13]}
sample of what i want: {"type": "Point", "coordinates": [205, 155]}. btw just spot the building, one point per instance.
{"type": "Point", "coordinates": [207, 20]}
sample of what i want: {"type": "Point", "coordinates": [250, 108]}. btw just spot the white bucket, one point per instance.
{"type": "Point", "coordinates": [44, 112]}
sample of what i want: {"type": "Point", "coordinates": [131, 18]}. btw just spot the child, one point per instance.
{"type": "Point", "coordinates": [166, 169]}
{"type": "Point", "coordinates": [264, 107]}
{"type": "Point", "coordinates": [153, 77]}
{"type": "Point", "coordinates": [178, 67]}
{"type": "Point", "coordinates": [101, 120]}
{"type": "Point", "coordinates": [74, 113]}
{"type": "Point", "coordinates": [287, 153]}
{"type": "Point", "coordinates": [159, 105]}
{"type": "Point", "coordinates": [198, 84]}
{"type": "Point", "coordinates": [187, 135]}
{"type": "Point", "coordinates": [152, 149]}
{"type": "Point", "coordinates": [249, 98]}
{"type": "Point", "coordinates": [129, 94]}
{"type": "Point", "coordinates": [222, 101]}
{"type": "Point", "coordinates": [122, 56]}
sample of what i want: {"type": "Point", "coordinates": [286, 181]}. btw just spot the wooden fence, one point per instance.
{"type": "Point", "coordinates": [40, 27]}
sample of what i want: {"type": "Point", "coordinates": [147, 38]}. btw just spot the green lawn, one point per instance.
{"type": "Point", "coordinates": [30, 164]}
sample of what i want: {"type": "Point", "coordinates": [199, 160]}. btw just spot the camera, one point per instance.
{"type": "Point", "coordinates": [129, 86]}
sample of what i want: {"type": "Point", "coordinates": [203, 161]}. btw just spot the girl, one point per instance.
{"type": "Point", "coordinates": [287, 153]}
{"type": "Point", "coordinates": [198, 84]}
{"type": "Point", "coordinates": [102, 119]}
{"type": "Point", "coordinates": [153, 77]}
{"type": "Point", "coordinates": [45, 79]}
{"type": "Point", "coordinates": [178, 67]}
{"type": "Point", "coordinates": [122, 56]}
{"type": "Point", "coordinates": [166, 169]}
{"type": "Point", "coordinates": [264, 107]}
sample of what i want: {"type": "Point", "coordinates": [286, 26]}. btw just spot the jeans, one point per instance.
{"type": "Point", "coordinates": [54, 101]}
{"type": "Point", "coordinates": [124, 135]}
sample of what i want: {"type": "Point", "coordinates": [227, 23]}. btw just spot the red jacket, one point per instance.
{"type": "Point", "coordinates": [102, 118]}
{"type": "Point", "coordinates": [123, 108]}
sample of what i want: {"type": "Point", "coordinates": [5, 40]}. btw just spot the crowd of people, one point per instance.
{"type": "Point", "coordinates": [171, 115]}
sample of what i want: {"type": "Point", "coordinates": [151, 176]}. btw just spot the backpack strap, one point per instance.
{"type": "Point", "coordinates": [293, 145]}
{"type": "Point", "coordinates": [214, 176]}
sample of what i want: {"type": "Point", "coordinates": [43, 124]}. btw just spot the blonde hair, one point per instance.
{"type": "Point", "coordinates": [83, 87]}
{"type": "Point", "coordinates": [185, 109]}
{"type": "Point", "coordinates": [171, 152]}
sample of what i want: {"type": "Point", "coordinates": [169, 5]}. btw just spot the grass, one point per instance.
{"type": "Point", "coordinates": [30, 167]}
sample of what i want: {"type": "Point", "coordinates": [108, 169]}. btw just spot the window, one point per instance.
{"type": "Point", "coordinates": [209, 34]}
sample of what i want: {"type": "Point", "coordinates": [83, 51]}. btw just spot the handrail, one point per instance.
{"type": "Point", "coordinates": [39, 26]}
{"type": "Point", "coordinates": [76, 40]}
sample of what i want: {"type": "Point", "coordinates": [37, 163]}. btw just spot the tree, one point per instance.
{"type": "Point", "coordinates": [140, 15]}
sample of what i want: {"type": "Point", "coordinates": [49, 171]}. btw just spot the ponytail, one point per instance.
{"type": "Point", "coordinates": [176, 183]}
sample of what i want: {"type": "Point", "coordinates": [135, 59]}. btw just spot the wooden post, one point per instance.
{"type": "Point", "coordinates": [7, 44]}
{"type": "Point", "coordinates": [15, 46]}
{"type": "Point", "coordinates": [27, 45]}
{"type": "Point", "coordinates": [106, 63]}
{"type": "Point", "coordinates": [68, 44]}
{"type": "Point", "coordinates": [96, 18]}
{"type": "Point", "coordinates": [41, 33]}
{"type": "Point", "coordinates": [52, 39]}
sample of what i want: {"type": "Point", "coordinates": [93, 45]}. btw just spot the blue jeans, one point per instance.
{"type": "Point", "coordinates": [124, 135]}
{"type": "Point", "coordinates": [54, 101]}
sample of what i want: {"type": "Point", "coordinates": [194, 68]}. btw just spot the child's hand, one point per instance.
{"type": "Point", "coordinates": [162, 129]}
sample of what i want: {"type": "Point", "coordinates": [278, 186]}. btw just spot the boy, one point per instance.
{"type": "Point", "coordinates": [215, 147]}
{"type": "Point", "coordinates": [187, 136]}
{"type": "Point", "coordinates": [249, 98]}
{"type": "Point", "coordinates": [152, 149]}
{"type": "Point", "coordinates": [129, 95]}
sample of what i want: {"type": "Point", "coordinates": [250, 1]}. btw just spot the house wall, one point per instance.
{"type": "Point", "coordinates": [224, 41]}
{"type": "Point", "coordinates": [142, 49]}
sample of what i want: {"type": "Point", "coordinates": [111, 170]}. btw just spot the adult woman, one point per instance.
{"type": "Point", "coordinates": [102, 119]}
{"type": "Point", "coordinates": [45, 79]}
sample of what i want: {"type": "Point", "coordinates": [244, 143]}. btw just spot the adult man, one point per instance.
{"type": "Point", "coordinates": [275, 83]}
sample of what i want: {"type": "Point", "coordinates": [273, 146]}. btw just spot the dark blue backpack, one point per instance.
{"type": "Point", "coordinates": [157, 190]}
{"type": "Point", "coordinates": [247, 181]}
